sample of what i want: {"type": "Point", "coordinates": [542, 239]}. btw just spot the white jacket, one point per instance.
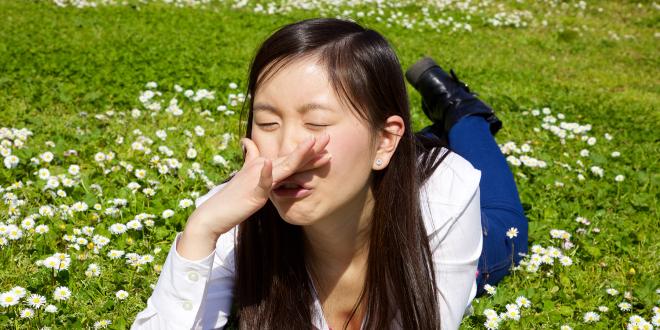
{"type": "Point", "coordinates": [198, 294]}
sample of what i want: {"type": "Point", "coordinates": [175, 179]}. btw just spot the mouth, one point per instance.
{"type": "Point", "coordinates": [292, 190]}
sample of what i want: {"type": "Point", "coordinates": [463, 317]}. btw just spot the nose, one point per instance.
{"type": "Point", "coordinates": [291, 137]}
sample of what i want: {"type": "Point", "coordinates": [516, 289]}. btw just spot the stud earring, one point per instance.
{"type": "Point", "coordinates": [379, 162]}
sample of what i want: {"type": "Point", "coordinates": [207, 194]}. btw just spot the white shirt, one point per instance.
{"type": "Point", "coordinates": [198, 294]}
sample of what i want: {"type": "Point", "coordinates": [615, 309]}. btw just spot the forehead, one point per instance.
{"type": "Point", "coordinates": [301, 84]}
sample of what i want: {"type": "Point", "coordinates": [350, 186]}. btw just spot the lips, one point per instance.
{"type": "Point", "coordinates": [292, 188]}
{"type": "Point", "coordinates": [293, 183]}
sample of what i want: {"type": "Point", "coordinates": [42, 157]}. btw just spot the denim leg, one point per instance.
{"type": "Point", "coordinates": [501, 209]}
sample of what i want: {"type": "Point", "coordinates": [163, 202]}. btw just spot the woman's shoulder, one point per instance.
{"type": "Point", "coordinates": [448, 190]}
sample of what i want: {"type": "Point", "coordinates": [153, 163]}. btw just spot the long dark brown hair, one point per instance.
{"type": "Point", "coordinates": [273, 289]}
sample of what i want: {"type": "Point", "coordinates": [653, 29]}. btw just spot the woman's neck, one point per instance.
{"type": "Point", "coordinates": [342, 239]}
{"type": "Point", "coordinates": [336, 253]}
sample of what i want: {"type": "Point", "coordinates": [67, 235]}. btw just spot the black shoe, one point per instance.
{"type": "Point", "coordinates": [445, 99]}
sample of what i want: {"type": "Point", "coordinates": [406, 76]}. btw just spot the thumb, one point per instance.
{"type": "Point", "coordinates": [250, 149]}
{"type": "Point", "coordinates": [266, 177]}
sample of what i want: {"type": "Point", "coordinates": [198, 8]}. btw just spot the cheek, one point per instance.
{"type": "Point", "coordinates": [350, 152]}
{"type": "Point", "coordinates": [267, 147]}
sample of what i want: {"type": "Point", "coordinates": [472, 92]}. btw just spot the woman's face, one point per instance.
{"type": "Point", "coordinates": [282, 118]}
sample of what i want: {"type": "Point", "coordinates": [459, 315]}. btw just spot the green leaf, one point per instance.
{"type": "Point", "coordinates": [548, 305]}
{"type": "Point", "coordinates": [592, 250]}
{"type": "Point", "coordinates": [565, 282]}
{"type": "Point", "coordinates": [566, 310]}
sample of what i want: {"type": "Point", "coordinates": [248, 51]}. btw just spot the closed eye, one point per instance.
{"type": "Point", "coordinates": [271, 124]}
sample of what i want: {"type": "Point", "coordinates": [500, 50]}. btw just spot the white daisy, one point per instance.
{"type": "Point", "coordinates": [612, 291]}
{"type": "Point", "coordinates": [100, 157]}
{"type": "Point", "coordinates": [490, 289]}
{"type": "Point", "coordinates": [625, 306]}
{"type": "Point", "coordinates": [140, 173]}
{"type": "Point", "coordinates": [36, 301]}
{"type": "Point", "coordinates": [145, 259]}
{"type": "Point", "coordinates": [115, 254]}
{"type": "Point", "coordinates": [102, 324]}
{"type": "Point", "coordinates": [490, 313]}
{"type": "Point", "coordinates": [8, 298]}
{"type": "Point", "coordinates": [185, 203]}
{"type": "Point", "coordinates": [121, 294]}
{"type": "Point", "coordinates": [492, 323]}
{"type": "Point", "coordinates": [566, 261]}
{"type": "Point", "coordinates": [523, 302]}
{"type": "Point", "coordinates": [61, 293]}
{"type": "Point", "coordinates": [513, 314]}
{"type": "Point", "coordinates": [11, 161]}
{"type": "Point", "coordinates": [590, 317]}
{"type": "Point", "coordinates": [512, 232]}
{"type": "Point", "coordinates": [43, 173]}
{"type": "Point", "coordinates": [74, 169]}
{"type": "Point", "coordinates": [27, 313]}
{"type": "Point", "coordinates": [167, 214]}
{"type": "Point", "coordinates": [134, 224]}
{"type": "Point", "coordinates": [19, 291]}
{"type": "Point", "coordinates": [118, 228]}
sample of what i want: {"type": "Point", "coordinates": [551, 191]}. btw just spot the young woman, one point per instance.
{"type": "Point", "coordinates": [340, 217]}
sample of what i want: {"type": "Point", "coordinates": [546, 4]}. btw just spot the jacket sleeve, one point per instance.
{"type": "Point", "coordinates": [192, 293]}
{"type": "Point", "coordinates": [452, 215]}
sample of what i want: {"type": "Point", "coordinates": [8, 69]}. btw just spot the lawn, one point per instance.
{"type": "Point", "coordinates": [100, 165]}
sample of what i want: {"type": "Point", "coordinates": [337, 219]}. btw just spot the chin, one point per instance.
{"type": "Point", "coordinates": [298, 222]}
{"type": "Point", "coordinates": [298, 219]}
{"type": "Point", "coordinates": [295, 215]}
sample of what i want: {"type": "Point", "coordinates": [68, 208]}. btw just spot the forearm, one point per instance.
{"type": "Point", "coordinates": [196, 241]}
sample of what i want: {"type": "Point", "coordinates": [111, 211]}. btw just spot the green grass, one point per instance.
{"type": "Point", "coordinates": [56, 63]}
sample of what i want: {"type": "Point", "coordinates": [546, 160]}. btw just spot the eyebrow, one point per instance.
{"type": "Point", "coordinates": [302, 109]}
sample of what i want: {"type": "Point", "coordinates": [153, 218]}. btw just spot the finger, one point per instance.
{"type": "Point", "coordinates": [266, 177]}
{"type": "Point", "coordinates": [251, 149]}
{"type": "Point", "coordinates": [319, 156]}
{"type": "Point", "coordinates": [318, 161]}
{"type": "Point", "coordinates": [288, 165]}
{"type": "Point", "coordinates": [318, 148]}
{"type": "Point", "coordinates": [321, 142]}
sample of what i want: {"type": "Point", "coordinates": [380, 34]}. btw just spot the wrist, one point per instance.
{"type": "Point", "coordinates": [192, 246]}
{"type": "Point", "coordinates": [196, 242]}
{"type": "Point", "coordinates": [201, 222]}
{"type": "Point", "coordinates": [196, 227]}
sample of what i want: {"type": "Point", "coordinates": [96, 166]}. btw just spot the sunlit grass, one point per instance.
{"type": "Point", "coordinates": [76, 79]}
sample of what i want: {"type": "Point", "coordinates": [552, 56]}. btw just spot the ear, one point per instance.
{"type": "Point", "coordinates": [388, 140]}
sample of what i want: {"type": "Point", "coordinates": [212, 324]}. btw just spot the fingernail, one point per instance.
{"type": "Point", "coordinates": [243, 148]}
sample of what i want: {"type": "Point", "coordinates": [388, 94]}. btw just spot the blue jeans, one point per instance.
{"type": "Point", "coordinates": [501, 209]}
